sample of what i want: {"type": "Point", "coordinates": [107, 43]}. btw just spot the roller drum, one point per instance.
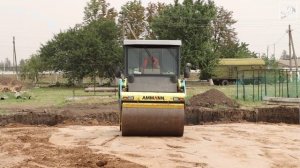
{"type": "Point", "coordinates": [152, 121]}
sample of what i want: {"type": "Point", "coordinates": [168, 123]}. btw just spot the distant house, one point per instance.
{"type": "Point", "coordinates": [285, 64]}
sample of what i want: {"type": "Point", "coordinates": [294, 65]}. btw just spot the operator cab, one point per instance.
{"type": "Point", "coordinates": [144, 57]}
{"type": "Point", "coordinates": [152, 65]}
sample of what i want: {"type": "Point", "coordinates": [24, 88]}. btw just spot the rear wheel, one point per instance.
{"type": "Point", "coordinates": [225, 82]}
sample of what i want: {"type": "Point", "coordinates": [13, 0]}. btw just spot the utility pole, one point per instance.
{"type": "Point", "coordinates": [4, 67]}
{"type": "Point", "coordinates": [15, 63]}
{"type": "Point", "coordinates": [123, 30]}
{"type": "Point", "coordinates": [128, 25]}
{"type": "Point", "coordinates": [132, 32]}
{"type": "Point", "coordinates": [274, 49]}
{"type": "Point", "coordinates": [3, 70]}
{"type": "Point", "coordinates": [290, 50]}
{"type": "Point", "coordinates": [123, 26]}
{"type": "Point", "coordinates": [294, 53]}
{"type": "Point", "coordinates": [267, 51]}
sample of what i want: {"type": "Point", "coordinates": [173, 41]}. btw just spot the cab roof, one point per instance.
{"type": "Point", "coordinates": [152, 42]}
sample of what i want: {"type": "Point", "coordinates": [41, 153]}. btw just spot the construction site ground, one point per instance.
{"type": "Point", "coordinates": [89, 136]}
{"type": "Point", "coordinates": [221, 145]}
{"type": "Point", "coordinates": [56, 129]}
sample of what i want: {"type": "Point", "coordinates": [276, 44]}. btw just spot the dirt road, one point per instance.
{"type": "Point", "coordinates": [222, 145]}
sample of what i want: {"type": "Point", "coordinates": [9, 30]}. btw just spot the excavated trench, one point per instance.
{"type": "Point", "coordinates": [280, 114]}
{"type": "Point", "coordinates": [193, 116]}
{"type": "Point", "coordinates": [52, 119]}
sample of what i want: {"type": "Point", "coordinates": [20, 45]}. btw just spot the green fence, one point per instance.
{"type": "Point", "coordinates": [254, 85]}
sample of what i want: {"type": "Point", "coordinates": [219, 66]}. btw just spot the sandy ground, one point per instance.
{"type": "Point", "coordinates": [223, 145]}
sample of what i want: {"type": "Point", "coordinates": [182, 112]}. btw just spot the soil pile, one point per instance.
{"type": "Point", "coordinates": [10, 85]}
{"type": "Point", "coordinates": [212, 98]}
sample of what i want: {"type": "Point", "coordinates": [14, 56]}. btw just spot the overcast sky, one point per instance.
{"type": "Point", "coordinates": [261, 23]}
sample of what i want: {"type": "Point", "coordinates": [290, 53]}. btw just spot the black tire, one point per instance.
{"type": "Point", "coordinates": [225, 82]}
{"type": "Point", "coordinates": [130, 78]}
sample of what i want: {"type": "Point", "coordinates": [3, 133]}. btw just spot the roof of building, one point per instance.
{"type": "Point", "coordinates": [152, 42]}
{"type": "Point", "coordinates": [242, 61]}
{"type": "Point", "coordinates": [286, 62]}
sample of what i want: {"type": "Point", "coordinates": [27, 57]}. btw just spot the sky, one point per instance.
{"type": "Point", "coordinates": [261, 23]}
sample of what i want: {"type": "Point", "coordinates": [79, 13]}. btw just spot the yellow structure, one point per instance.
{"type": "Point", "coordinates": [226, 71]}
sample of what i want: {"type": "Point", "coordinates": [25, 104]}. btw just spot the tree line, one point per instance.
{"type": "Point", "coordinates": [94, 47]}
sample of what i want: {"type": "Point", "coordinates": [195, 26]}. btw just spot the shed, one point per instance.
{"type": "Point", "coordinates": [227, 69]}
{"type": "Point", "coordinates": [241, 62]}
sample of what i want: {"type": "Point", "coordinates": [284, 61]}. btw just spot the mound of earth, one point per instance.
{"type": "Point", "coordinates": [10, 85]}
{"type": "Point", "coordinates": [212, 98]}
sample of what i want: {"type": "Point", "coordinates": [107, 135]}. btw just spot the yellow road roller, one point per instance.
{"type": "Point", "coordinates": [151, 93]}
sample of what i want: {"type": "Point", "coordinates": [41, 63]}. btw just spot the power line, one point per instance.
{"type": "Point", "coordinates": [277, 41]}
{"type": "Point", "coordinates": [283, 36]}
{"type": "Point", "coordinates": [296, 30]}
{"type": "Point", "coordinates": [274, 44]}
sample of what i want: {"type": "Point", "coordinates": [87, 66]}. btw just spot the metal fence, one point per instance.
{"type": "Point", "coordinates": [254, 85]}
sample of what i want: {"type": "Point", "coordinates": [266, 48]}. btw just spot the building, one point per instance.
{"type": "Point", "coordinates": [226, 71]}
{"type": "Point", "coordinates": [285, 64]}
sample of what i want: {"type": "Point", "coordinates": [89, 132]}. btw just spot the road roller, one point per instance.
{"type": "Point", "coordinates": [151, 93]}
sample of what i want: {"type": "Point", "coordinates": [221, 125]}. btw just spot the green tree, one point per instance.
{"type": "Point", "coordinates": [98, 9]}
{"type": "Point", "coordinates": [22, 62]}
{"type": "Point", "coordinates": [151, 11]}
{"type": "Point", "coordinates": [104, 50]}
{"type": "Point", "coordinates": [31, 68]}
{"type": "Point", "coordinates": [132, 16]}
{"type": "Point", "coordinates": [243, 51]}
{"type": "Point", "coordinates": [226, 43]}
{"type": "Point", "coordinates": [284, 55]}
{"type": "Point", "coordinates": [191, 23]}
{"type": "Point", "coordinates": [271, 63]}
{"type": "Point", "coordinates": [90, 50]}
{"type": "Point", "coordinates": [2, 65]}
{"type": "Point", "coordinates": [7, 64]}
{"type": "Point", "coordinates": [224, 35]}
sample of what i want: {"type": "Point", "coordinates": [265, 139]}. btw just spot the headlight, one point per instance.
{"type": "Point", "coordinates": [128, 98]}
{"type": "Point", "coordinates": [178, 99]}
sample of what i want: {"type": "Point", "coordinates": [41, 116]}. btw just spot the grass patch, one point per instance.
{"type": "Point", "coordinates": [60, 96]}
{"type": "Point", "coordinates": [3, 112]}
{"type": "Point", "coordinates": [57, 97]}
